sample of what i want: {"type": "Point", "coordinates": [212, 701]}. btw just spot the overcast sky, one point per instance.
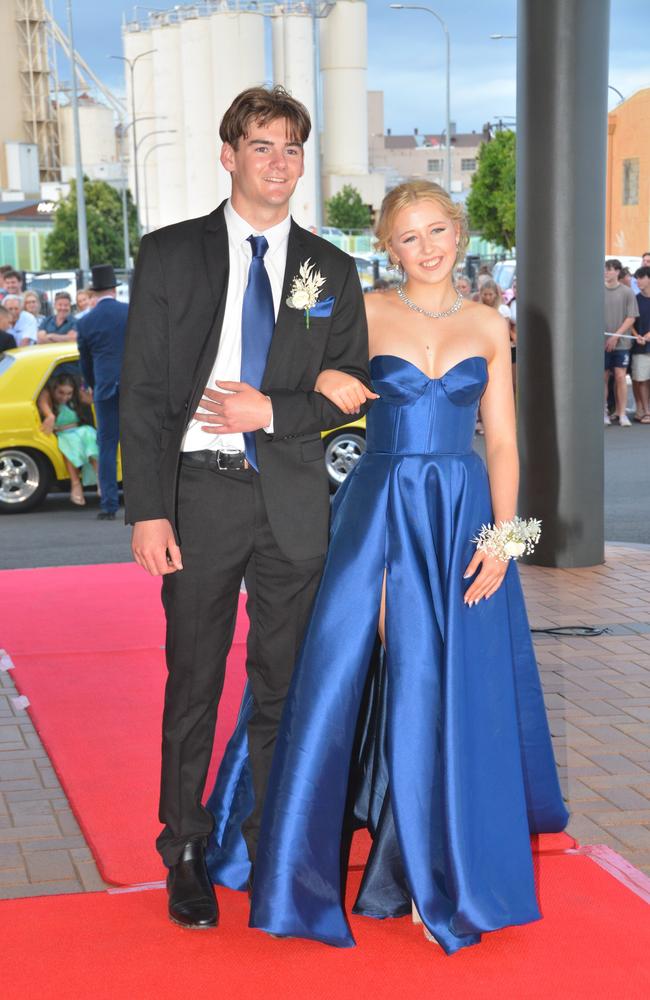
{"type": "Point", "coordinates": [406, 56]}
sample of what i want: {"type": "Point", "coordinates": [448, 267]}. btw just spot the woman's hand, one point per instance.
{"type": "Point", "coordinates": [345, 391]}
{"type": "Point", "coordinates": [489, 578]}
{"type": "Point", "coordinates": [47, 426]}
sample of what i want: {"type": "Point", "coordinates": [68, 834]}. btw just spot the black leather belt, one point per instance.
{"type": "Point", "coordinates": [234, 461]}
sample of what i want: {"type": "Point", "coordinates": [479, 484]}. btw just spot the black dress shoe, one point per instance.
{"type": "Point", "coordinates": [106, 515]}
{"type": "Point", "coordinates": [192, 902]}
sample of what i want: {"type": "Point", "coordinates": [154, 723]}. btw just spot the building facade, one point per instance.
{"type": "Point", "coordinates": [420, 156]}
{"type": "Point", "coordinates": [627, 218]}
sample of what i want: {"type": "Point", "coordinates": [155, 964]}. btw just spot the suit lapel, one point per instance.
{"type": "Point", "coordinates": [215, 255]}
{"type": "Point", "coordinates": [216, 261]}
{"type": "Point", "coordinates": [281, 342]}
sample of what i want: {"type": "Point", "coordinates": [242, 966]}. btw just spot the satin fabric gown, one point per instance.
{"type": "Point", "coordinates": [441, 747]}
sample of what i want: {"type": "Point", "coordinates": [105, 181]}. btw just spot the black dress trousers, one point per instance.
{"type": "Point", "coordinates": [224, 536]}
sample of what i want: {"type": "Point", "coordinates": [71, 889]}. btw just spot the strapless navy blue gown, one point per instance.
{"type": "Point", "coordinates": [441, 747]}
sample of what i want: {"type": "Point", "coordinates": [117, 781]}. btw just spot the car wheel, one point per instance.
{"type": "Point", "coordinates": [25, 478]}
{"type": "Point", "coordinates": [343, 449]}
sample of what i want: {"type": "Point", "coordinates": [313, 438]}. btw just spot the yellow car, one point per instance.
{"type": "Point", "coordinates": [30, 461]}
{"type": "Point", "coordinates": [343, 449]}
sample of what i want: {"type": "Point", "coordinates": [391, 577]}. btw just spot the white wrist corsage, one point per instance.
{"type": "Point", "coordinates": [509, 539]}
{"type": "Point", "coordinates": [305, 289]}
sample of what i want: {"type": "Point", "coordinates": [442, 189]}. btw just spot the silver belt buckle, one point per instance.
{"type": "Point", "coordinates": [226, 452]}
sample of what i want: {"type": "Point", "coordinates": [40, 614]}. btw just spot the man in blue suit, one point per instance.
{"type": "Point", "coordinates": [101, 346]}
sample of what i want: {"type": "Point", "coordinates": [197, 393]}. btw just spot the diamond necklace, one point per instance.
{"type": "Point", "coordinates": [426, 312]}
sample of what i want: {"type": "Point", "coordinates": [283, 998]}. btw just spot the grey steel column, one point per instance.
{"type": "Point", "coordinates": [562, 61]}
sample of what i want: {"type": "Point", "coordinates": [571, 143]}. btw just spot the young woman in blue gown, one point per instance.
{"type": "Point", "coordinates": [436, 738]}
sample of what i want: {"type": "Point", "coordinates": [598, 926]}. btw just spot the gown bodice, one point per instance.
{"type": "Point", "coordinates": [418, 415]}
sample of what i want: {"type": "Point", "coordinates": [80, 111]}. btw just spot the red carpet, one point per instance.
{"type": "Point", "coordinates": [592, 943]}
{"type": "Point", "coordinates": [93, 670]}
{"type": "Point", "coordinates": [86, 644]}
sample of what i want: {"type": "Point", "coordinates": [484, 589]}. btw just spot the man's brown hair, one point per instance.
{"type": "Point", "coordinates": [261, 105]}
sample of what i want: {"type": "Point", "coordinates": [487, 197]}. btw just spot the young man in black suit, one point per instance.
{"type": "Point", "coordinates": [224, 474]}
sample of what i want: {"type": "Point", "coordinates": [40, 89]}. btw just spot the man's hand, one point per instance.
{"type": "Point", "coordinates": [154, 547]}
{"type": "Point", "coordinates": [345, 391]}
{"type": "Point", "coordinates": [237, 409]}
{"type": "Point", "coordinates": [610, 343]}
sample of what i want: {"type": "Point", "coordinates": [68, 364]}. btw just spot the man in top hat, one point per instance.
{"type": "Point", "coordinates": [101, 347]}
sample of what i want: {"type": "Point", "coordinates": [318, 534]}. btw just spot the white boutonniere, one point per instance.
{"type": "Point", "coordinates": [305, 289]}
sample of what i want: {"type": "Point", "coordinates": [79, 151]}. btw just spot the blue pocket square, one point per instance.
{"type": "Point", "coordinates": [323, 309]}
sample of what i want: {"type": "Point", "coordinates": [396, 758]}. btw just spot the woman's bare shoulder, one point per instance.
{"type": "Point", "coordinates": [379, 304]}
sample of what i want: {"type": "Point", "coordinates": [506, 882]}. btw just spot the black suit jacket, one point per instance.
{"type": "Point", "coordinates": [175, 318]}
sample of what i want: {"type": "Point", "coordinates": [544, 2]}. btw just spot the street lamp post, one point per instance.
{"type": "Point", "coordinates": [144, 167]}
{"type": "Point", "coordinates": [82, 227]}
{"type": "Point", "coordinates": [410, 6]}
{"type": "Point", "coordinates": [131, 64]}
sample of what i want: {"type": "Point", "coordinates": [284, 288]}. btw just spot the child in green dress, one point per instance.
{"type": "Point", "coordinates": [63, 414]}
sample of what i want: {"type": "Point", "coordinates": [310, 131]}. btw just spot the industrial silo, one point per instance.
{"type": "Point", "coordinates": [97, 133]}
{"type": "Point", "coordinates": [238, 61]}
{"type": "Point", "coordinates": [170, 112]}
{"type": "Point", "coordinates": [294, 69]}
{"type": "Point", "coordinates": [344, 60]}
{"type": "Point", "coordinates": [137, 41]}
{"type": "Point", "coordinates": [200, 133]}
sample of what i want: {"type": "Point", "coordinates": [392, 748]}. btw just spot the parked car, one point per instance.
{"type": "Point", "coordinates": [343, 449]}
{"type": "Point", "coordinates": [30, 461]}
{"type": "Point", "coordinates": [504, 273]}
{"type": "Point", "coordinates": [31, 464]}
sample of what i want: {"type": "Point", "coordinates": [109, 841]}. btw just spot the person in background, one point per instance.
{"type": "Point", "coordinates": [3, 270]}
{"type": "Point", "coordinates": [621, 310]}
{"type": "Point", "coordinates": [464, 286]}
{"type": "Point", "coordinates": [62, 325]}
{"type": "Point", "coordinates": [7, 342]}
{"type": "Point", "coordinates": [512, 305]}
{"type": "Point", "coordinates": [641, 348]}
{"type": "Point", "coordinates": [63, 414]}
{"type": "Point", "coordinates": [13, 283]}
{"type": "Point", "coordinates": [23, 325]}
{"type": "Point", "coordinates": [100, 335]}
{"type": "Point", "coordinates": [32, 305]}
{"type": "Point", "coordinates": [86, 299]}
{"type": "Point", "coordinates": [625, 277]}
{"type": "Point", "coordinates": [489, 294]}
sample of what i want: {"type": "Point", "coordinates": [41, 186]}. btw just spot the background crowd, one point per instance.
{"type": "Point", "coordinates": [28, 319]}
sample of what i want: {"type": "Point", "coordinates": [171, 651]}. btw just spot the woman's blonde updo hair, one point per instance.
{"type": "Point", "coordinates": [407, 194]}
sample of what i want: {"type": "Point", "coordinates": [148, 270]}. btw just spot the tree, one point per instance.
{"type": "Point", "coordinates": [491, 201]}
{"type": "Point", "coordinates": [347, 211]}
{"type": "Point", "coordinates": [105, 229]}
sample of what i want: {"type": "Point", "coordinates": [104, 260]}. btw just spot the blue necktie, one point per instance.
{"type": "Point", "coordinates": [257, 323]}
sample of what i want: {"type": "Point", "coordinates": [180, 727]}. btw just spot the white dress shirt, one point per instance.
{"type": "Point", "coordinates": [227, 365]}
{"type": "Point", "coordinates": [25, 328]}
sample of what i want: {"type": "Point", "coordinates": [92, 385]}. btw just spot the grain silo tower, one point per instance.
{"type": "Point", "coordinates": [238, 61]}
{"type": "Point", "coordinates": [191, 62]}
{"type": "Point", "coordinates": [26, 112]}
{"type": "Point", "coordinates": [138, 46]}
{"type": "Point", "coordinates": [294, 67]}
{"type": "Point", "coordinates": [199, 140]}
{"type": "Point", "coordinates": [344, 70]}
